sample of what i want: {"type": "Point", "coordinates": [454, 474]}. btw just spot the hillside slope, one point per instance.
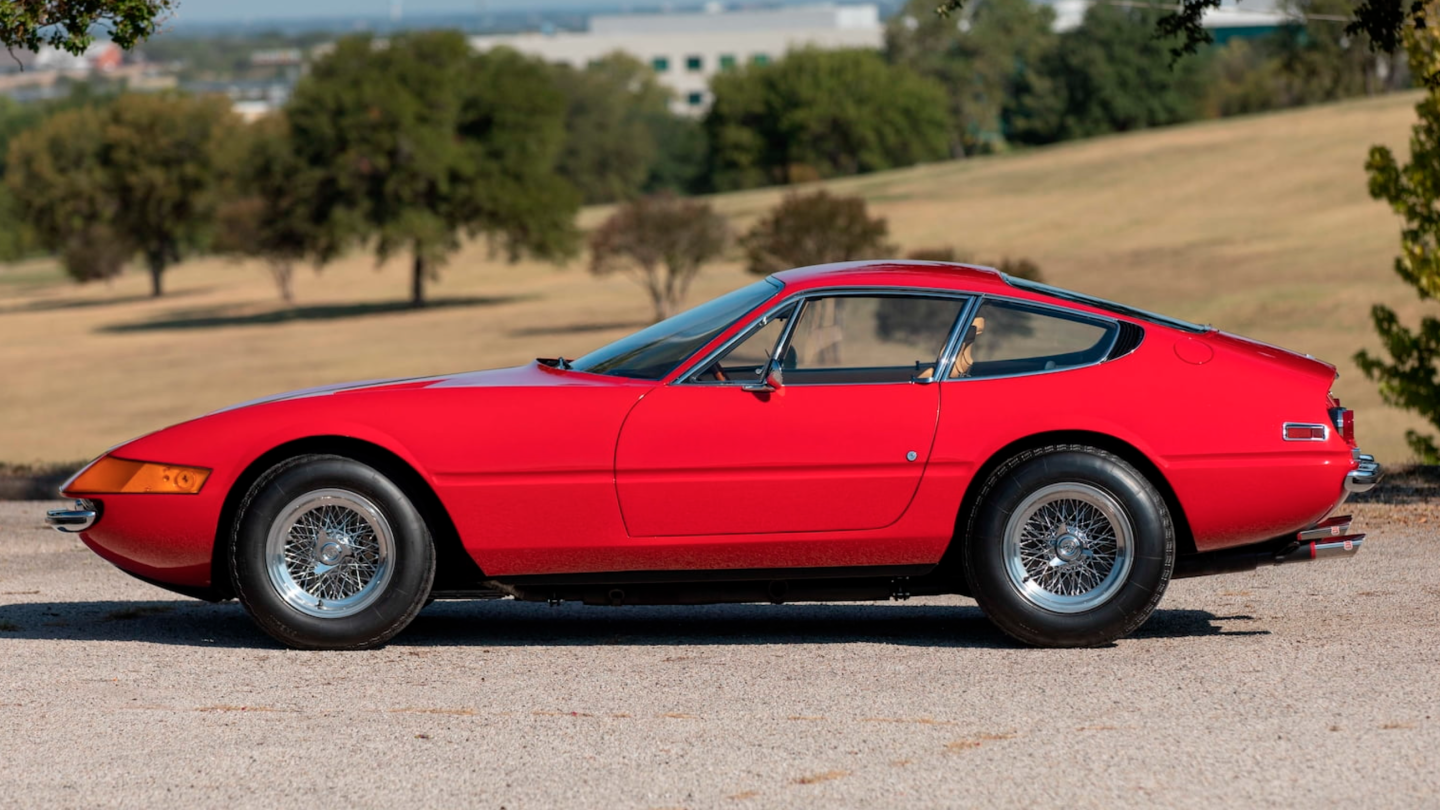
{"type": "Point", "coordinates": [1258, 225]}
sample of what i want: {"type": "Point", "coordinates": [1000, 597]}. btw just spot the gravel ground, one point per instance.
{"type": "Point", "coordinates": [1313, 685]}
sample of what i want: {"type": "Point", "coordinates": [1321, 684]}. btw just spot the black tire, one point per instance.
{"type": "Point", "coordinates": [1122, 602]}
{"type": "Point", "coordinates": [386, 605]}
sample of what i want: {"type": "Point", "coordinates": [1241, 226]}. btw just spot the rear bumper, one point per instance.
{"type": "Point", "coordinates": [1365, 476]}
{"type": "Point", "coordinates": [1327, 540]}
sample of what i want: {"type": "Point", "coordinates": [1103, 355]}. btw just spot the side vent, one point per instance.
{"type": "Point", "coordinates": [1128, 341]}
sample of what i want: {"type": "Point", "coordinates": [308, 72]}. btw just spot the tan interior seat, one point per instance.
{"type": "Point", "coordinates": [965, 358]}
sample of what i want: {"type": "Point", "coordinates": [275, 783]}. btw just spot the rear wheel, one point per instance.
{"type": "Point", "coordinates": [1070, 546]}
{"type": "Point", "coordinates": [330, 554]}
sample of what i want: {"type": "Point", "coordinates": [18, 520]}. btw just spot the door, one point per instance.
{"type": "Point", "coordinates": [839, 446]}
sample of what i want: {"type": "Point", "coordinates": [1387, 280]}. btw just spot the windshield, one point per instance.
{"type": "Point", "coordinates": [1100, 303]}
{"type": "Point", "coordinates": [653, 352]}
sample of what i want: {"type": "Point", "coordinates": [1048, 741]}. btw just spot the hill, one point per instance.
{"type": "Point", "coordinates": [1258, 225]}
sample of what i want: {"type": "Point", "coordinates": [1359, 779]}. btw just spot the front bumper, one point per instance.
{"type": "Point", "coordinates": [1365, 476]}
{"type": "Point", "coordinates": [72, 521]}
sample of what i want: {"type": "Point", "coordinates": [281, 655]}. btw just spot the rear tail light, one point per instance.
{"type": "Point", "coordinates": [1344, 420]}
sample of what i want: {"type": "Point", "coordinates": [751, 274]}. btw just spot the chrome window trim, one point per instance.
{"type": "Point", "coordinates": [1098, 319]}
{"type": "Point", "coordinates": [802, 299]}
{"type": "Point", "coordinates": [1324, 430]}
{"type": "Point", "coordinates": [957, 334]}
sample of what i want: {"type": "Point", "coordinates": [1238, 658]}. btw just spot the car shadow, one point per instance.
{"type": "Point", "coordinates": [221, 316]}
{"type": "Point", "coordinates": [508, 623]}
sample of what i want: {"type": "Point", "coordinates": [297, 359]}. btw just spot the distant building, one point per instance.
{"type": "Point", "coordinates": [1232, 20]}
{"type": "Point", "coordinates": [687, 48]}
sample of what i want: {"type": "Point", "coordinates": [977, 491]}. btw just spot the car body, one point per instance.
{"type": "Point", "coordinates": [801, 480]}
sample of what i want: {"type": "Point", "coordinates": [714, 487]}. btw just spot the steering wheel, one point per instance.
{"type": "Point", "coordinates": [720, 374]}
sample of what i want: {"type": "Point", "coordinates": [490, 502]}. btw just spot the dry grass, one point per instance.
{"type": "Point", "coordinates": [1260, 225]}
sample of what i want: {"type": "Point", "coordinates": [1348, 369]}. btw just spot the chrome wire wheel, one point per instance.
{"type": "Point", "coordinates": [330, 553]}
{"type": "Point", "coordinates": [1068, 547]}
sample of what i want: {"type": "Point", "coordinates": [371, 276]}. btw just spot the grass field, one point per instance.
{"type": "Point", "coordinates": [1258, 225]}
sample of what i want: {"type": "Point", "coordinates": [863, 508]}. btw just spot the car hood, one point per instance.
{"type": "Point", "coordinates": [321, 390]}
{"type": "Point", "coordinates": [530, 375]}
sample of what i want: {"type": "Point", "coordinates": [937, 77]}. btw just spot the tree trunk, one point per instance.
{"type": "Point", "coordinates": [157, 269]}
{"type": "Point", "coordinates": [417, 283]}
{"type": "Point", "coordinates": [662, 307]}
{"type": "Point", "coordinates": [283, 273]}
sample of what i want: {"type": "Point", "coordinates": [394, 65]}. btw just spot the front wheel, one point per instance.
{"type": "Point", "coordinates": [330, 554]}
{"type": "Point", "coordinates": [1070, 546]}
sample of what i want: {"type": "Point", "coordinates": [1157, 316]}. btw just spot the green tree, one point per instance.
{"type": "Point", "coordinates": [139, 175]}
{"type": "Point", "coordinates": [681, 149]}
{"type": "Point", "coordinates": [610, 145]}
{"type": "Point", "coordinates": [57, 182]}
{"type": "Point", "coordinates": [815, 228]}
{"type": "Point", "coordinates": [662, 242]}
{"type": "Point", "coordinates": [419, 141]}
{"type": "Point", "coordinates": [818, 114]}
{"type": "Point", "coordinates": [272, 214]}
{"type": "Point", "coordinates": [983, 57]}
{"type": "Point", "coordinates": [1321, 61]}
{"type": "Point", "coordinates": [70, 24]}
{"type": "Point", "coordinates": [162, 168]}
{"type": "Point", "coordinates": [1107, 75]}
{"type": "Point", "coordinates": [1409, 377]}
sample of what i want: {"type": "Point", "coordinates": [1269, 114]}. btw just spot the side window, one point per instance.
{"type": "Point", "coordinates": [745, 362]}
{"type": "Point", "coordinates": [1008, 338]}
{"type": "Point", "coordinates": [869, 339]}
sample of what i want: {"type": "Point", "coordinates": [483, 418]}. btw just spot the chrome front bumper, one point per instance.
{"type": "Point", "coordinates": [1364, 477]}
{"type": "Point", "coordinates": [82, 517]}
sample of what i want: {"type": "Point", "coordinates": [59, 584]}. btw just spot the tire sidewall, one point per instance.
{"type": "Point", "coordinates": [413, 556]}
{"type": "Point", "coordinates": [1153, 539]}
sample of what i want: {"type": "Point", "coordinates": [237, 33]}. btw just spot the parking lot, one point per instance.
{"type": "Point", "coordinates": [1314, 685]}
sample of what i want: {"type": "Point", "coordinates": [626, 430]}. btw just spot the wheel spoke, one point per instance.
{"type": "Point", "coordinates": [1068, 547]}
{"type": "Point", "coordinates": [330, 552]}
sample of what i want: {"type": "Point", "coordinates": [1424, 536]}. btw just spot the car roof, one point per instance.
{"type": "Point", "coordinates": [967, 278]}
{"type": "Point", "coordinates": [924, 275]}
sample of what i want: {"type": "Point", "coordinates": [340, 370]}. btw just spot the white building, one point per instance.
{"type": "Point", "coordinates": [687, 48]}
{"type": "Point", "coordinates": [1232, 18]}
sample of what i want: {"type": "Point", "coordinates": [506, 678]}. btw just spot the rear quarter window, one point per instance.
{"type": "Point", "coordinates": [1008, 338]}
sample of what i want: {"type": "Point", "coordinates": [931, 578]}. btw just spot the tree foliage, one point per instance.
{"type": "Point", "coordinates": [662, 242]}
{"type": "Point", "coordinates": [815, 228]}
{"type": "Point", "coordinates": [419, 141]}
{"type": "Point", "coordinates": [70, 24]}
{"type": "Point", "coordinates": [272, 214]}
{"type": "Point", "coordinates": [1108, 75]}
{"type": "Point", "coordinates": [817, 114]}
{"type": "Point", "coordinates": [610, 142]}
{"type": "Point", "coordinates": [140, 175]}
{"type": "Point", "coordinates": [1409, 376]}
{"type": "Point", "coordinates": [985, 59]}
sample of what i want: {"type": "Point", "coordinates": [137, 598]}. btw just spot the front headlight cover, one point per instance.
{"type": "Point", "coordinates": [119, 476]}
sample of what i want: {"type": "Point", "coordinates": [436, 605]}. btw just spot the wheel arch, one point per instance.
{"type": "Point", "coordinates": [454, 568]}
{"type": "Point", "coordinates": [1184, 539]}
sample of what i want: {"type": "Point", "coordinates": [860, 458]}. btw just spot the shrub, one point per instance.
{"type": "Point", "coordinates": [662, 242]}
{"type": "Point", "coordinates": [815, 228]}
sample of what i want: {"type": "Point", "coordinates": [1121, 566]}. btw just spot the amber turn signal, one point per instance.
{"type": "Point", "coordinates": [119, 476]}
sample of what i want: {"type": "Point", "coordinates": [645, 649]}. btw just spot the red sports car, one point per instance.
{"type": "Point", "coordinates": [860, 431]}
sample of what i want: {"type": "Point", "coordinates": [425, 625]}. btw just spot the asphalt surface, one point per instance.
{"type": "Point", "coordinates": [1313, 685]}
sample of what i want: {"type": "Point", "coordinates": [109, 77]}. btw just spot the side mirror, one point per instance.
{"type": "Point", "coordinates": [774, 380]}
